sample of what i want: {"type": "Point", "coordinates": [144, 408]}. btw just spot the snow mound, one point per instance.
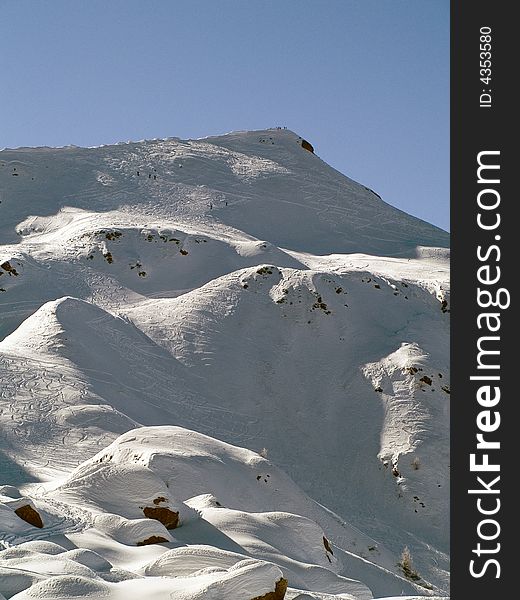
{"type": "Point", "coordinates": [34, 569]}
{"type": "Point", "coordinates": [249, 580]}
{"type": "Point", "coordinates": [186, 560]}
{"type": "Point", "coordinates": [64, 587]}
{"type": "Point", "coordinates": [132, 532]}
{"type": "Point", "coordinates": [185, 473]}
{"type": "Point", "coordinates": [130, 490]}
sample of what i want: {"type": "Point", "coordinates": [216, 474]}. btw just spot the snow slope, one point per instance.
{"type": "Point", "coordinates": [233, 288]}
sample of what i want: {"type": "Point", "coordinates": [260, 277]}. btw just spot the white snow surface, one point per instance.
{"type": "Point", "coordinates": [228, 333]}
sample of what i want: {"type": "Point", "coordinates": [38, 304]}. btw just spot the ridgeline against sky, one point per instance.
{"type": "Point", "coordinates": [366, 81]}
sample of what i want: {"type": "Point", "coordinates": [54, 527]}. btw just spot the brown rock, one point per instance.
{"type": "Point", "coordinates": [278, 594]}
{"type": "Point", "coordinates": [154, 539]}
{"type": "Point", "coordinates": [30, 515]}
{"type": "Point", "coordinates": [307, 146]}
{"type": "Point", "coordinates": [6, 266]}
{"type": "Point", "coordinates": [167, 517]}
{"type": "Point", "coordinates": [159, 500]}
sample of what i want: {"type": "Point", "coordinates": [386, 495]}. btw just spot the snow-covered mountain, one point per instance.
{"type": "Point", "coordinates": [224, 374]}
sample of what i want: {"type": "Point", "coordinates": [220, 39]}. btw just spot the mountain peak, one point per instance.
{"type": "Point", "coordinates": [267, 183]}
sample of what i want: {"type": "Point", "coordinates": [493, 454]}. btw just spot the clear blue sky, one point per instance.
{"type": "Point", "coordinates": [366, 81]}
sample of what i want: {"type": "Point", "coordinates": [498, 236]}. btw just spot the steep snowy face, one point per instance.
{"type": "Point", "coordinates": [263, 183]}
{"type": "Point", "coordinates": [159, 296]}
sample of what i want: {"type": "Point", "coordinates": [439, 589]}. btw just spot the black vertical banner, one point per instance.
{"type": "Point", "coordinates": [485, 235]}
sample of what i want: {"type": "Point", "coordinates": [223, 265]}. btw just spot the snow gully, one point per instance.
{"type": "Point", "coordinates": [491, 300]}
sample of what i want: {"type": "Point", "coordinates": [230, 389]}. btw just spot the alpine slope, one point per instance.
{"type": "Point", "coordinates": [224, 374]}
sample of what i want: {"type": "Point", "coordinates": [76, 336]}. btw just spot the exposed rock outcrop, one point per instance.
{"type": "Point", "coordinates": [169, 518]}
{"type": "Point", "coordinates": [308, 146]}
{"type": "Point", "coordinates": [278, 594]}
{"type": "Point", "coordinates": [30, 515]}
{"type": "Point", "coordinates": [153, 539]}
